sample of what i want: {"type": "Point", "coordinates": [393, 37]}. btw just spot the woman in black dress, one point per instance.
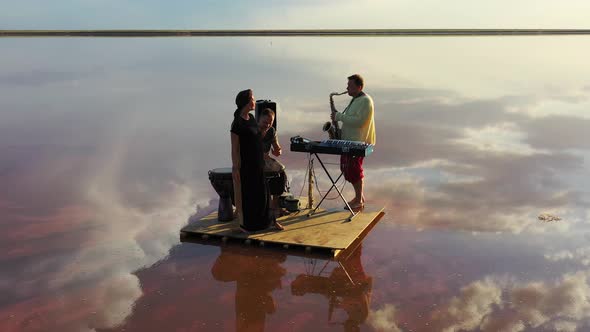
{"type": "Point", "coordinates": [252, 198]}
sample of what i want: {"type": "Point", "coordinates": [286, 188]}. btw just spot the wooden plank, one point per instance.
{"type": "Point", "coordinates": [326, 229]}
{"type": "Point", "coordinates": [345, 253]}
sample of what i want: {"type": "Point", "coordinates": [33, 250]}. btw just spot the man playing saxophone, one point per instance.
{"type": "Point", "coordinates": [358, 124]}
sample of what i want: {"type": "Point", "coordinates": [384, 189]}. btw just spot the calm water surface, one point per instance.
{"type": "Point", "coordinates": [105, 145]}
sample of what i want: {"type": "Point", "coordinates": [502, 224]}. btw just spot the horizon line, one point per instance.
{"type": "Point", "coordinates": [288, 32]}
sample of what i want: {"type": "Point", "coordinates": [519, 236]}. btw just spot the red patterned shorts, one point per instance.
{"type": "Point", "coordinates": [352, 167]}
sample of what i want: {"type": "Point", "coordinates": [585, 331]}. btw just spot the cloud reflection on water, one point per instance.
{"type": "Point", "coordinates": [80, 227]}
{"type": "Point", "coordinates": [496, 304]}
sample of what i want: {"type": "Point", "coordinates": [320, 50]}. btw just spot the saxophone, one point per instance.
{"type": "Point", "coordinates": [334, 132]}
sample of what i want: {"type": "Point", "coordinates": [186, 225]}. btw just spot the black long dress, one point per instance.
{"type": "Point", "coordinates": [255, 195]}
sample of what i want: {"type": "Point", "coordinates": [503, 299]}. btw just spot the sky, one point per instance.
{"type": "Point", "coordinates": [290, 14]}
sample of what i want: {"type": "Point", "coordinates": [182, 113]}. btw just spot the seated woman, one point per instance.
{"type": "Point", "coordinates": [271, 144]}
{"type": "Point", "coordinates": [252, 198]}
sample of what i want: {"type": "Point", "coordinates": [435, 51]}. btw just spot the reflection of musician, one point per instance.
{"type": "Point", "coordinates": [256, 276]}
{"type": "Point", "coordinates": [358, 124]}
{"type": "Point", "coordinates": [353, 295]}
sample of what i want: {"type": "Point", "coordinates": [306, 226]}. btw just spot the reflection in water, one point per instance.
{"type": "Point", "coordinates": [257, 273]}
{"type": "Point", "coordinates": [347, 288]}
{"type": "Point", "coordinates": [256, 276]}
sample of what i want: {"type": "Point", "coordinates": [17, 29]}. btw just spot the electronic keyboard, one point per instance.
{"type": "Point", "coordinates": [331, 146]}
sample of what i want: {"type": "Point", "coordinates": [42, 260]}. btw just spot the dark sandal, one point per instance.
{"type": "Point", "coordinates": [357, 206]}
{"type": "Point", "coordinates": [243, 230]}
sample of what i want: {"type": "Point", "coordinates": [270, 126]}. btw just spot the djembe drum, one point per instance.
{"type": "Point", "coordinates": [221, 179]}
{"type": "Point", "coordinates": [274, 172]}
{"type": "Point", "coordinates": [276, 182]}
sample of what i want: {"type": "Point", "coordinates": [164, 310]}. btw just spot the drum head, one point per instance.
{"type": "Point", "coordinates": [223, 173]}
{"type": "Point", "coordinates": [273, 165]}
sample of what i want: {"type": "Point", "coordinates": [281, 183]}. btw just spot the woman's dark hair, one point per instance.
{"type": "Point", "coordinates": [243, 98]}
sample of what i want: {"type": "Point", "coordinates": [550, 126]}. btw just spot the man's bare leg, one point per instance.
{"type": "Point", "coordinates": [362, 185]}
{"type": "Point", "coordinates": [358, 193]}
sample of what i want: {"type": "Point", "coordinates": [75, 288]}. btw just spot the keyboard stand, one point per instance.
{"type": "Point", "coordinates": [352, 213]}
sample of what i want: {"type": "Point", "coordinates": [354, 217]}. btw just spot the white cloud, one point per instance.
{"type": "Point", "coordinates": [564, 326]}
{"type": "Point", "coordinates": [131, 237]}
{"type": "Point", "coordinates": [492, 303]}
{"type": "Point", "coordinates": [422, 205]}
{"type": "Point", "coordinates": [472, 67]}
{"type": "Point", "coordinates": [498, 138]}
{"type": "Point", "coordinates": [467, 311]}
{"type": "Point", "coordinates": [384, 319]}
{"type": "Point", "coordinates": [580, 255]}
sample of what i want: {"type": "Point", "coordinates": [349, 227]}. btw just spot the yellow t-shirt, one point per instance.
{"type": "Point", "coordinates": [358, 120]}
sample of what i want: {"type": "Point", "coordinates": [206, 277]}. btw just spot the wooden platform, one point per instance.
{"type": "Point", "coordinates": [326, 231]}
